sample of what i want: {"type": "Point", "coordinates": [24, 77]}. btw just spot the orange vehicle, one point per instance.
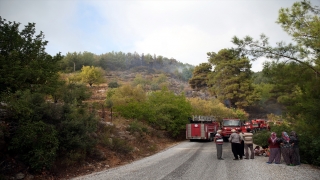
{"type": "Point", "coordinates": [202, 128]}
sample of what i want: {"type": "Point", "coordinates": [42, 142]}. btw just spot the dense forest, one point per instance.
{"type": "Point", "coordinates": [119, 61]}
{"type": "Point", "coordinates": [45, 119]}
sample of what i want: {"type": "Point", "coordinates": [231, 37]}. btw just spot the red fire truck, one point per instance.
{"type": "Point", "coordinates": [228, 124]}
{"type": "Point", "coordinates": [253, 125]}
{"type": "Point", "coordinates": [262, 124]}
{"type": "Point", "coordinates": [201, 128]}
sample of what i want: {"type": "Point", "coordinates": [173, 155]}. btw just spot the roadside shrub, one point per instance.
{"type": "Point", "coordinates": [121, 146]}
{"type": "Point", "coordinates": [105, 140]}
{"type": "Point", "coordinates": [309, 149]}
{"type": "Point", "coordinates": [106, 129]}
{"type": "Point", "coordinates": [37, 143]}
{"type": "Point", "coordinates": [74, 156]}
{"type": "Point", "coordinates": [75, 129]}
{"type": "Point", "coordinates": [136, 126]}
{"type": "Point", "coordinates": [261, 138]}
{"type": "Point", "coordinates": [105, 133]}
{"type": "Point", "coordinates": [168, 111]}
{"type": "Point", "coordinates": [153, 147]}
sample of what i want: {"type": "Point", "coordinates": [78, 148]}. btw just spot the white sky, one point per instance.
{"type": "Point", "coordinates": [182, 29]}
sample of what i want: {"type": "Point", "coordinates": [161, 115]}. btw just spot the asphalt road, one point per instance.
{"type": "Point", "coordinates": [197, 161]}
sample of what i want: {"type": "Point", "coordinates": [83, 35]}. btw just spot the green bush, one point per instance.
{"type": "Point", "coordinates": [113, 84]}
{"type": "Point", "coordinates": [168, 111]}
{"type": "Point", "coordinates": [121, 146]}
{"type": "Point", "coordinates": [136, 126]}
{"type": "Point", "coordinates": [105, 140]}
{"type": "Point", "coordinates": [155, 86]}
{"type": "Point", "coordinates": [309, 149]}
{"type": "Point", "coordinates": [75, 129]}
{"type": "Point", "coordinates": [37, 143]}
{"type": "Point", "coordinates": [261, 138]}
{"type": "Point", "coordinates": [74, 93]}
{"type": "Point", "coordinates": [74, 156]}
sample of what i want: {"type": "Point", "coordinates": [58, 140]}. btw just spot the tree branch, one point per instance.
{"type": "Point", "coordinates": [285, 56]}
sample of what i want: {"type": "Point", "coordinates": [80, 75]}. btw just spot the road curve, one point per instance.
{"type": "Point", "coordinates": [197, 161]}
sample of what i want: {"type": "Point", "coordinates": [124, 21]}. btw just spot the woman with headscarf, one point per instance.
{"type": "Point", "coordinates": [274, 146]}
{"type": "Point", "coordinates": [286, 148]}
{"type": "Point", "coordinates": [295, 146]}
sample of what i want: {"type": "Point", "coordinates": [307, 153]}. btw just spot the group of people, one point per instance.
{"type": "Point", "coordinates": [287, 146]}
{"type": "Point", "coordinates": [240, 144]}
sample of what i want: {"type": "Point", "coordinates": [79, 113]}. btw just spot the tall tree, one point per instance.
{"type": "Point", "coordinates": [199, 78]}
{"type": "Point", "coordinates": [231, 78]}
{"type": "Point", "coordinates": [24, 64]}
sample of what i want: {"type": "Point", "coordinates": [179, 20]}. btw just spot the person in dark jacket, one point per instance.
{"type": "Point", "coordinates": [241, 142]}
{"type": "Point", "coordinates": [295, 146]}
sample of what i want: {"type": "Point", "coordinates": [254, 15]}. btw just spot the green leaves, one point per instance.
{"type": "Point", "coordinates": [231, 78]}
{"type": "Point", "coordinates": [38, 143]}
{"type": "Point", "coordinates": [200, 73]}
{"type": "Point", "coordinates": [24, 64]}
{"type": "Point", "coordinates": [161, 109]}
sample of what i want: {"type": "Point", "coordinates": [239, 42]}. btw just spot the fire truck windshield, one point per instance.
{"type": "Point", "coordinates": [231, 123]}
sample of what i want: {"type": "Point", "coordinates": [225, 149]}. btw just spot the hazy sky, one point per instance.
{"type": "Point", "coordinates": [182, 29]}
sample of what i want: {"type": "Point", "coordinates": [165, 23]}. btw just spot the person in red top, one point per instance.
{"type": "Point", "coordinates": [274, 146]}
{"type": "Point", "coordinates": [219, 142]}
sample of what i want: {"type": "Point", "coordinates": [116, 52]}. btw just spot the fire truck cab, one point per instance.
{"type": "Point", "coordinates": [228, 124]}
{"type": "Point", "coordinates": [202, 128]}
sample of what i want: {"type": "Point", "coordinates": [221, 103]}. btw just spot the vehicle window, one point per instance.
{"type": "Point", "coordinates": [231, 123]}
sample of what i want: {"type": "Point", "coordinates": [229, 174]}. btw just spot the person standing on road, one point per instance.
{"type": "Point", "coordinates": [219, 142]}
{"type": "Point", "coordinates": [274, 146]}
{"type": "Point", "coordinates": [241, 142]}
{"type": "Point", "coordinates": [286, 148]}
{"type": "Point", "coordinates": [248, 144]}
{"type": "Point", "coordinates": [235, 144]}
{"type": "Point", "coordinates": [295, 146]}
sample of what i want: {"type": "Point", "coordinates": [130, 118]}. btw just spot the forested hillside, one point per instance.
{"type": "Point", "coordinates": [119, 61]}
